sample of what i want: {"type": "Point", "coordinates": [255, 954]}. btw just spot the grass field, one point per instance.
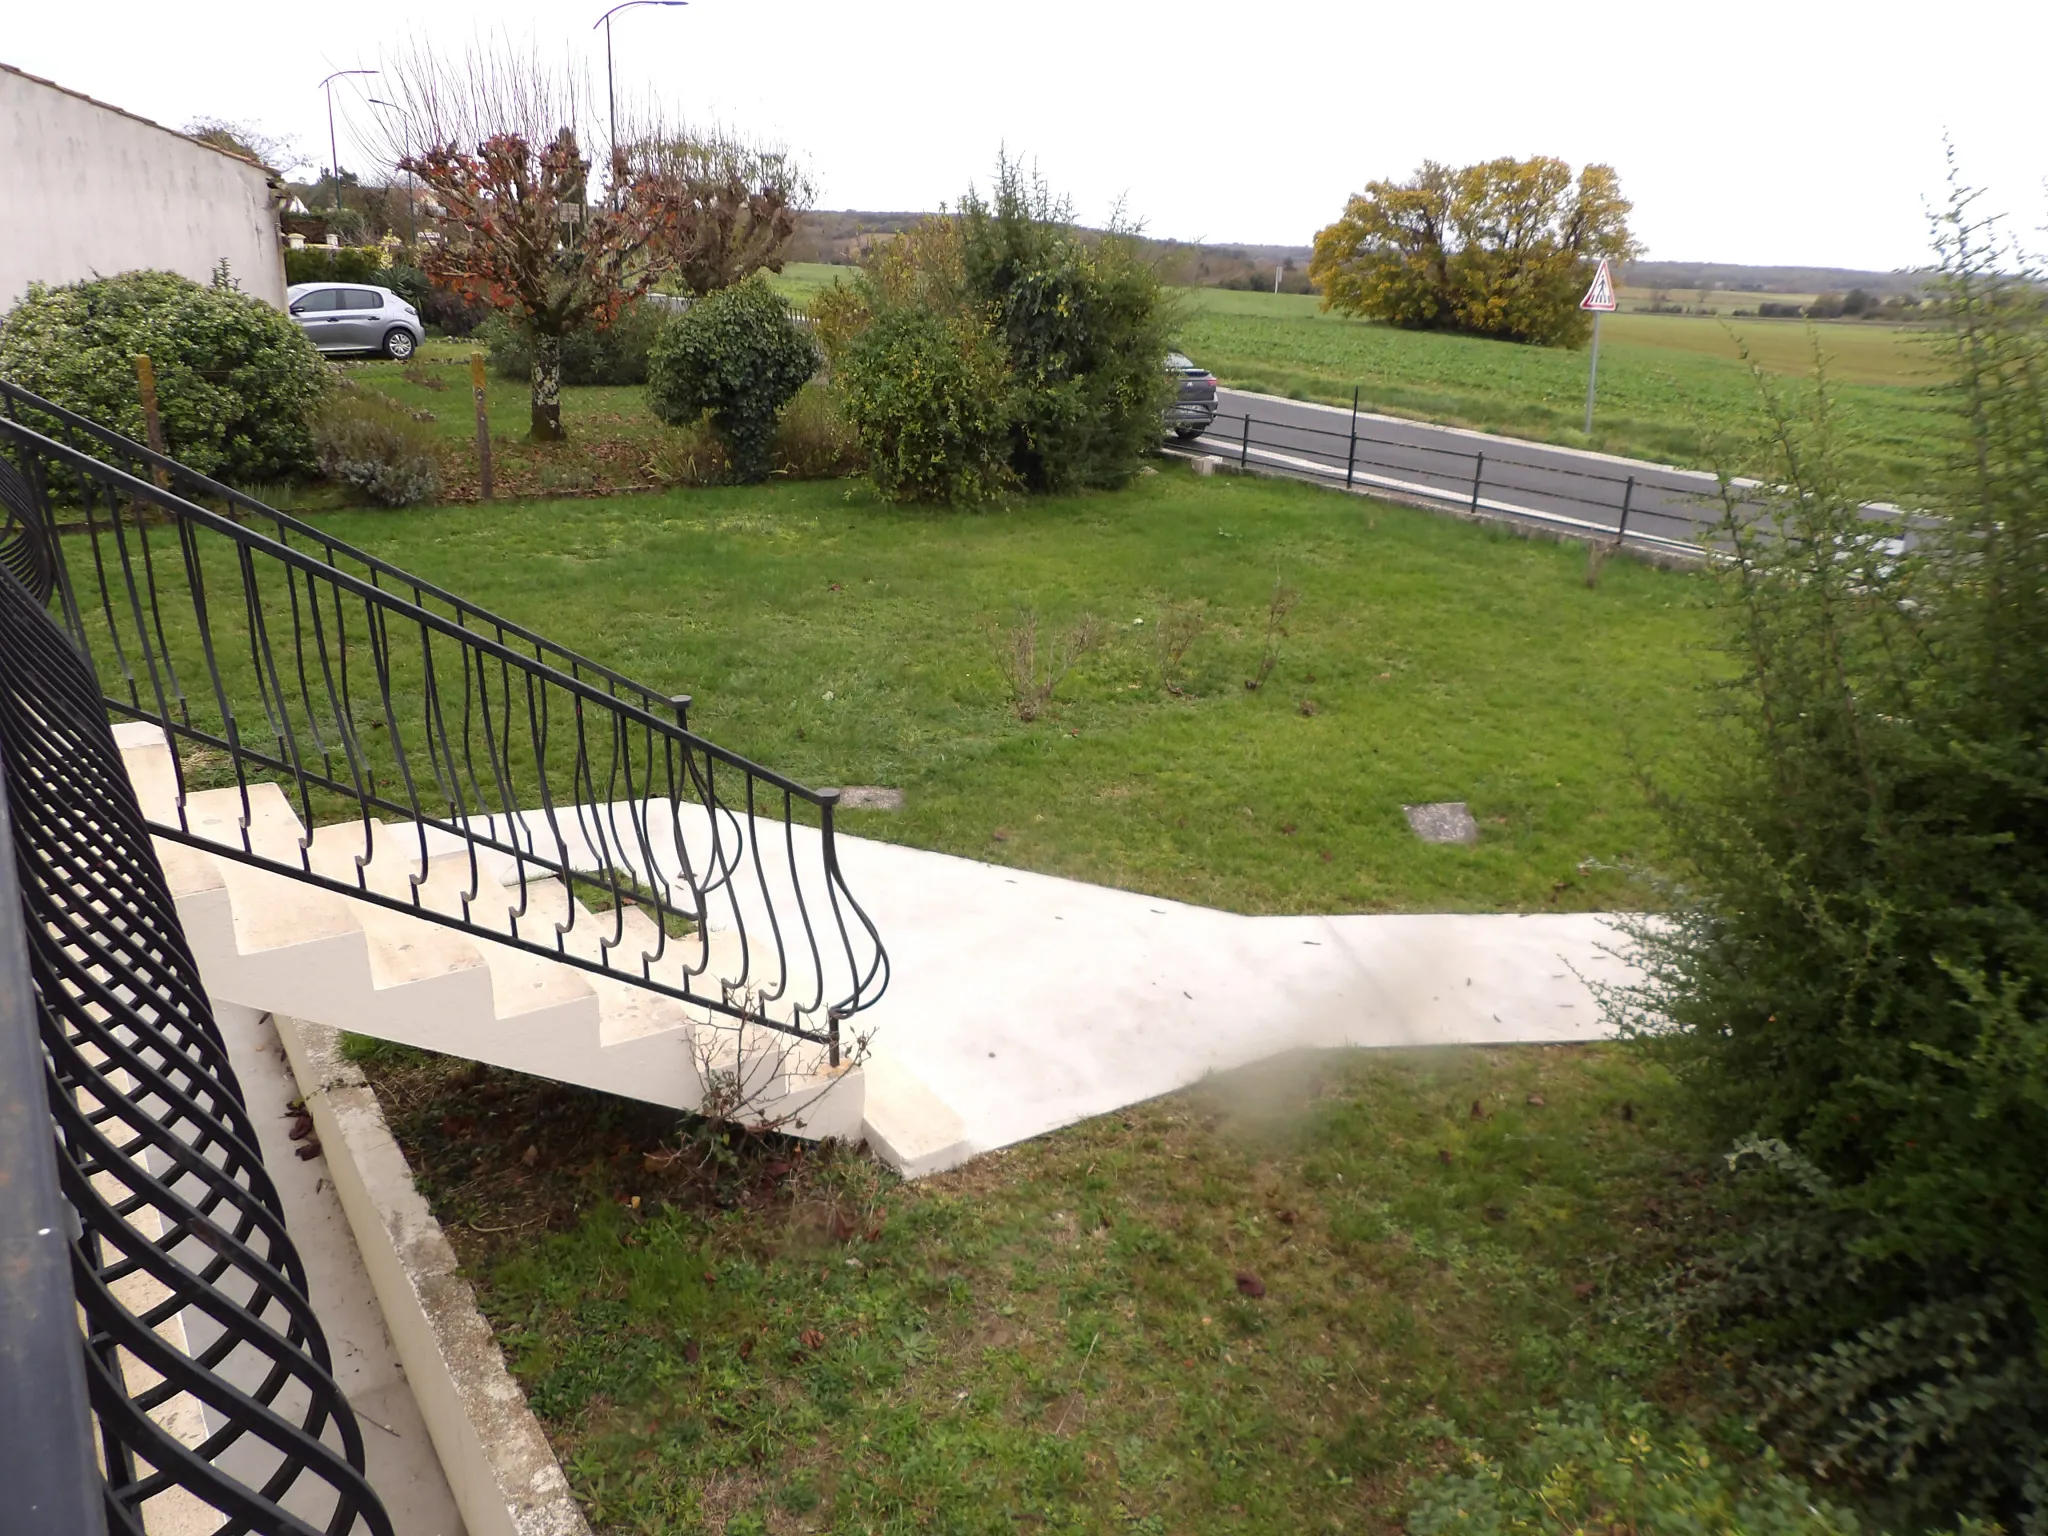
{"type": "Point", "coordinates": [841, 641]}
{"type": "Point", "coordinates": [1270, 1303]}
{"type": "Point", "coordinates": [1668, 383]}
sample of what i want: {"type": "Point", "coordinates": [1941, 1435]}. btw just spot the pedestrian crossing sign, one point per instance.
{"type": "Point", "coordinates": [1601, 295]}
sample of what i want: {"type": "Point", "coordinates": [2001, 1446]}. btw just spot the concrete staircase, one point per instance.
{"type": "Point", "coordinates": [281, 945]}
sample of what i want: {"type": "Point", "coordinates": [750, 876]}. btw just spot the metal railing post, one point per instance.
{"type": "Point", "coordinates": [1244, 450]}
{"type": "Point", "coordinates": [681, 701]}
{"type": "Point", "coordinates": [1628, 494]}
{"type": "Point", "coordinates": [1351, 455]}
{"type": "Point", "coordinates": [1478, 469]}
{"type": "Point", "coordinates": [49, 1479]}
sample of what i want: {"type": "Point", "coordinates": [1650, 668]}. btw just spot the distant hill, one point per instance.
{"type": "Point", "coordinates": [845, 236]}
{"type": "Point", "coordinates": [1716, 276]}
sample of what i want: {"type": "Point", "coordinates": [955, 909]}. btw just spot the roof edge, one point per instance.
{"type": "Point", "coordinates": [137, 117]}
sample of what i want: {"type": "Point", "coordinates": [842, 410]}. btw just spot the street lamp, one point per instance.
{"type": "Point", "coordinates": [333, 154]}
{"type": "Point", "coordinates": [412, 234]}
{"type": "Point", "coordinates": [610, 96]}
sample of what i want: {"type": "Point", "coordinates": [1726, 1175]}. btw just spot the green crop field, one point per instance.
{"type": "Point", "coordinates": [1668, 383]}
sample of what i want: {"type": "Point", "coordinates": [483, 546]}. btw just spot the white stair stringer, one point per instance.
{"type": "Point", "coordinates": [283, 945]}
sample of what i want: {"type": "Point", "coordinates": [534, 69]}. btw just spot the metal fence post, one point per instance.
{"type": "Point", "coordinates": [1244, 451]}
{"type": "Point", "coordinates": [1351, 455]}
{"type": "Point", "coordinates": [48, 1478]}
{"type": "Point", "coordinates": [1628, 494]}
{"type": "Point", "coordinates": [1478, 469]}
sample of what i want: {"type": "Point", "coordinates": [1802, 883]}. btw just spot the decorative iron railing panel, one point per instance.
{"type": "Point", "coordinates": [269, 651]}
{"type": "Point", "coordinates": [208, 1377]}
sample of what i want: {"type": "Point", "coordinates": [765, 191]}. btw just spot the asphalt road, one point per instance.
{"type": "Point", "coordinates": [1561, 487]}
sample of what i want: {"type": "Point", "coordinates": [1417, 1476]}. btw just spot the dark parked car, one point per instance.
{"type": "Point", "coordinates": [353, 317]}
{"type": "Point", "coordinates": [1191, 415]}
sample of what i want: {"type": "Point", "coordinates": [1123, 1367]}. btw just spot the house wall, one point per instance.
{"type": "Point", "coordinates": [86, 189]}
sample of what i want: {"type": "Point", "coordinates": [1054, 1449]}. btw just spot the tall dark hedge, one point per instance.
{"type": "Point", "coordinates": [1858, 972]}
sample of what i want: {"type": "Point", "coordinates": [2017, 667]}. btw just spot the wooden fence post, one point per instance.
{"type": "Point", "coordinates": [483, 425]}
{"type": "Point", "coordinates": [152, 419]}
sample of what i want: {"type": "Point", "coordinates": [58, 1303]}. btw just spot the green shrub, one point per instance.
{"type": "Point", "coordinates": [1077, 326]}
{"type": "Point", "coordinates": [365, 440]}
{"type": "Point", "coordinates": [341, 264]}
{"type": "Point", "coordinates": [237, 382]}
{"type": "Point", "coordinates": [1084, 325]}
{"type": "Point", "coordinates": [1912, 1380]}
{"type": "Point", "coordinates": [1583, 1471]}
{"type": "Point", "coordinates": [736, 356]}
{"type": "Point", "coordinates": [929, 399]}
{"type": "Point", "coordinates": [613, 354]}
{"type": "Point", "coordinates": [1858, 967]}
{"type": "Point", "coordinates": [814, 440]}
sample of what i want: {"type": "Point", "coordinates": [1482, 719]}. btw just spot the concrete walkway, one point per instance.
{"type": "Point", "coordinates": [1026, 1002]}
{"type": "Point", "coordinates": [1022, 1002]}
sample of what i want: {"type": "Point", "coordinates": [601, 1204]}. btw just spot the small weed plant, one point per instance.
{"type": "Point", "coordinates": [1032, 668]}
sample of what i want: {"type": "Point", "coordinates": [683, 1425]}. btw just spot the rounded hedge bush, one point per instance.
{"type": "Point", "coordinates": [737, 355]}
{"type": "Point", "coordinates": [237, 382]}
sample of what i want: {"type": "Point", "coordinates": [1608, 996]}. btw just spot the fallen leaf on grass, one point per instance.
{"type": "Point", "coordinates": [1536, 1099]}
{"type": "Point", "coordinates": [1583, 1289]}
{"type": "Point", "coordinates": [1443, 1156]}
{"type": "Point", "coordinates": [1249, 1284]}
{"type": "Point", "coordinates": [530, 1156]}
{"type": "Point", "coordinates": [810, 1338]}
{"type": "Point", "coordinates": [692, 1351]}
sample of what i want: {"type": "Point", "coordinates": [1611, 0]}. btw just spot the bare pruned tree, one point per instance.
{"type": "Point", "coordinates": [733, 204]}
{"type": "Point", "coordinates": [496, 140]}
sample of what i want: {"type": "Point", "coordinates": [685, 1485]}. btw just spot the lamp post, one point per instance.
{"type": "Point", "coordinates": [412, 234]}
{"type": "Point", "coordinates": [610, 96]}
{"type": "Point", "coordinates": [333, 154]}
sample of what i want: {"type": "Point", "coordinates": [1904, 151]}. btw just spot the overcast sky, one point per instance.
{"type": "Point", "coordinates": [1783, 132]}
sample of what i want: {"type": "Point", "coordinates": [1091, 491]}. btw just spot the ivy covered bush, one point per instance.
{"type": "Point", "coordinates": [237, 383]}
{"type": "Point", "coordinates": [737, 357]}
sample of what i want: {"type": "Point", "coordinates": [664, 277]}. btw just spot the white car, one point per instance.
{"type": "Point", "coordinates": [354, 317]}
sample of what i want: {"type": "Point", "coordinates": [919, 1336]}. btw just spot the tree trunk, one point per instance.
{"type": "Point", "coordinates": [547, 390]}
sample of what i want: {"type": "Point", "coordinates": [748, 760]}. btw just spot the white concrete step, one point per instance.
{"type": "Point", "coordinates": [282, 945]}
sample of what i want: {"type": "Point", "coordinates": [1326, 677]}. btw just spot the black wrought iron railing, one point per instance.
{"type": "Point", "coordinates": [269, 651]}
{"type": "Point", "coordinates": [161, 1367]}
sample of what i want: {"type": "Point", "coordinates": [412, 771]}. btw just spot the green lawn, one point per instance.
{"type": "Point", "coordinates": [842, 641]}
{"type": "Point", "coordinates": [1668, 383]}
{"type": "Point", "coordinates": [1267, 1304]}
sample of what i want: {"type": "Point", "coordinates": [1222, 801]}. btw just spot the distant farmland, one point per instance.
{"type": "Point", "coordinates": [1668, 383]}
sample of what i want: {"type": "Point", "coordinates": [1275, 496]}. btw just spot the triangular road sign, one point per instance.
{"type": "Point", "coordinates": [1601, 295]}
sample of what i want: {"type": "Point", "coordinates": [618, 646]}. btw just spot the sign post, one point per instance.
{"type": "Point", "coordinates": [1600, 300]}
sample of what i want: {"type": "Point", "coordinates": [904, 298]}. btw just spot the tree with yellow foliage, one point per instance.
{"type": "Point", "coordinates": [1504, 248]}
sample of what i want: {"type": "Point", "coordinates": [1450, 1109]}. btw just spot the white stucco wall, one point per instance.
{"type": "Point", "coordinates": [86, 189]}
